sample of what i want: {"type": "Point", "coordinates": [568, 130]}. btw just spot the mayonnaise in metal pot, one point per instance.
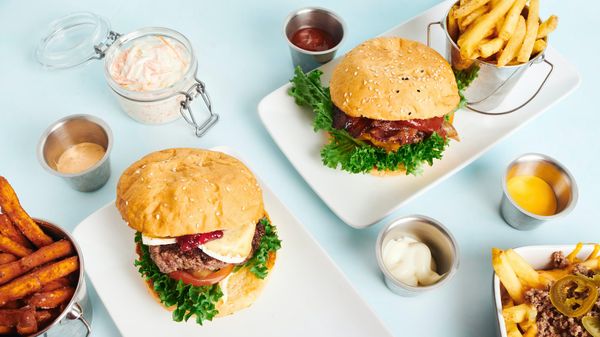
{"type": "Point", "coordinates": [410, 261]}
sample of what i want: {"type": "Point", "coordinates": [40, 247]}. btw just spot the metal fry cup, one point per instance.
{"type": "Point", "coordinates": [76, 317]}
{"type": "Point", "coordinates": [314, 17]}
{"type": "Point", "coordinates": [68, 132]}
{"type": "Point", "coordinates": [440, 241]}
{"type": "Point", "coordinates": [493, 83]}
{"type": "Point", "coordinates": [554, 174]}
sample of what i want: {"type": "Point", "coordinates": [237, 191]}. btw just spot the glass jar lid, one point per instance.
{"type": "Point", "coordinates": [73, 40]}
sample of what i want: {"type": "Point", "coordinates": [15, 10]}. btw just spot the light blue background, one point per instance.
{"type": "Point", "coordinates": [242, 57]}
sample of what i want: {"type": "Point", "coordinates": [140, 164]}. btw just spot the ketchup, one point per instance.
{"type": "Point", "coordinates": [313, 39]}
{"type": "Point", "coordinates": [189, 242]}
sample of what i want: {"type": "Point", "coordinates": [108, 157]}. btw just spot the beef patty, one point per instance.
{"type": "Point", "coordinates": [392, 134]}
{"type": "Point", "coordinates": [169, 258]}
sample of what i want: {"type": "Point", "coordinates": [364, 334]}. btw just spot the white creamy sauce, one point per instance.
{"type": "Point", "coordinates": [150, 63]}
{"type": "Point", "coordinates": [410, 262]}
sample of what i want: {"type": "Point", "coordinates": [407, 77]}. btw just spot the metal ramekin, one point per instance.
{"type": "Point", "coordinates": [552, 172]}
{"type": "Point", "coordinates": [316, 17]}
{"type": "Point", "coordinates": [76, 319]}
{"type": "Point", "coordinates": [70, 131]}
{"type": "Point", "coordinates": [440, 241]}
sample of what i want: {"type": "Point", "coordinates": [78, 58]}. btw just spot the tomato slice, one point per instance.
{"type": "Point", "coordinates": [198, 279]}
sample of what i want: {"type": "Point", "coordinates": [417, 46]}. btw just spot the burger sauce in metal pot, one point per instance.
{"type": "Point", "coordinates": [312, 39]}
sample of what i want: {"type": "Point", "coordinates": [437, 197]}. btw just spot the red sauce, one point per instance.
{"type": "Point", "coordinates": [189, 242]}
{"type": "Point", "coordinates": [313, 39]}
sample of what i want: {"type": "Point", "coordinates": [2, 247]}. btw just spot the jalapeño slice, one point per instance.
{"type": "Point", "coordinates": [573, 296]}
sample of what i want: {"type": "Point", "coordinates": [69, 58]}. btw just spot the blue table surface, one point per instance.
{"type": "Point", "coordinates": [242, 57]}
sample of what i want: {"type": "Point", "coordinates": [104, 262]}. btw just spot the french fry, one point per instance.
{"type": "Point", "coordinates": [512, 330]}
{"type": "Point", "coordinates": [572, 257]}
{"type": "Point", "coordinates": [56, 284]}
{"type": "Point", "coordinates": [538, 47]}
{"type": "Point", "coordinates": [469, 19]}
{"type": "Point", "coordinates": [516, 314]}
{"type": "Point", "coordinates": [510, 21]}
{"type": "Point", "coordinates": [43, 316]}
{"type": "Point", "coordinates": [8, 229]}
{"type": "Point", "coordinates": [477, 31]}
{"type": "Point", "coordinates": [5, 330]}
{"type": "Point", "coordinates": [512, 47]}
{"type": "Point", "coordinates": [9, 317]}
{"type": "Point", "coordinates": [594, 253]}
{"type": "Point", "coordinates": [524, 271]}
{"type": "Point", "coordinates": [592, 264]}
{"type": "Point", "coordinates": [27, 323]}
{"type": "Point", "coordinates": [469, 7]}
{"type": "Point", "coordinates": [35, 280]}
{"type": "Point", "coordinates": [547, 27]}
{"type": "Point", "coordinates": [531, 331]}
{"type": "Point", "coordinates": [11, 247]}
{"type": "Point", "coordinates": [11, 206]}
{"type": "Point", "coordinates": [506, 275]}
{"type": "Point", "coordinates": [533, 23]}
{"type": "Point", "coordinates": [491, 47]}
{"type": "Point", "coordinates": [7, 258]}
{"type": "Point", "coordinates": [452, 24]}
{"type": "Point", "coordinates": [41, 256]}
{"type": "Point", "coordinates": [51, 299]}
{"type": "Point", "coordinates": [548, 277]}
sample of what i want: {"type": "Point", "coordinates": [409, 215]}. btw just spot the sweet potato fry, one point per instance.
{"type": "Point", "coordinates": [56, 284]}
{"type": "Point", "coordinates": [51, 299]}
{"type": "Point", "coordinates": [7, 258]}
{"type": "Point", "coordinates": [8, 229]}
{"type": "Point", "coordinates": [9, 317]}
{"type": "Point", "coordinates": [27, 323]}
{"type": "Point", "coordinates": [11, 247]}
{"type": "Point", "coordinates": [43, 316]}
{"type": "Point", "coordinates": [34, 281]}
{"type": "Point", "coordinates": [41, 256]}
{"type": "Point", "coordinates": [11, 207]}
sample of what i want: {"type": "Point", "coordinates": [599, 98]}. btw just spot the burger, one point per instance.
{"type": "Point", "coordinates": [204, 241]}
{"type": "Point", "coordinates": [389, 107]}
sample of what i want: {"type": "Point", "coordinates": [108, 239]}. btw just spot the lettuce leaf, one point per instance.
{"type": "Point", "coordinates": [270, 242]}
{"type": "Point", "coordinates": [188, 300]}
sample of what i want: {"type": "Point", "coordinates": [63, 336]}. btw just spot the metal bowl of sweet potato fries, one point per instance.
{"type": "Point", "coordinates": [42, 283]}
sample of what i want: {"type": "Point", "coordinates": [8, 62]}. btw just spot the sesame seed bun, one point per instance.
{"type": "Point", "coordinates": [183, 191]}
{"type": "Point", "coordinates": [390, 78]}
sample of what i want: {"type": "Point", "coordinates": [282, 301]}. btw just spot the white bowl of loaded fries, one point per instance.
{"type": "Point", "coordinates": [549, 290]}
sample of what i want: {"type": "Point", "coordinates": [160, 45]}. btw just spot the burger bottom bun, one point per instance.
{"type": "Point", "coordinates": [243, 288]}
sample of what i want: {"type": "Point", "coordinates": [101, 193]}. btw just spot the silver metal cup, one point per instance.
{"type": "Point", "coordinates": [76, 319]}
{"type": "Point", "coordinates": [70, 131]}
{"type": "Point", "coordinates": [552, 172]}
{"type": "Point", "coordinates": [493, 83]}
{"type": "Point", "coordinates": [440, 241]}
{"type": "Point", "coordinates": [315, 17]}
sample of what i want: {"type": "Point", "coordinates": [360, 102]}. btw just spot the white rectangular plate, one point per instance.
{"type": "Point", "coordinates": [538, 257]}
{"type": "Point", "coordinates": [306, 295]}
{"type": "Point", "coordinates": [362, 200]}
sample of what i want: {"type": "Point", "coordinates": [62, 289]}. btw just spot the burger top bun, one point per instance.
{"type": "Point", "coordinates": [390, 78]}
{"type": "Point", "coordinates": [184, 191]}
